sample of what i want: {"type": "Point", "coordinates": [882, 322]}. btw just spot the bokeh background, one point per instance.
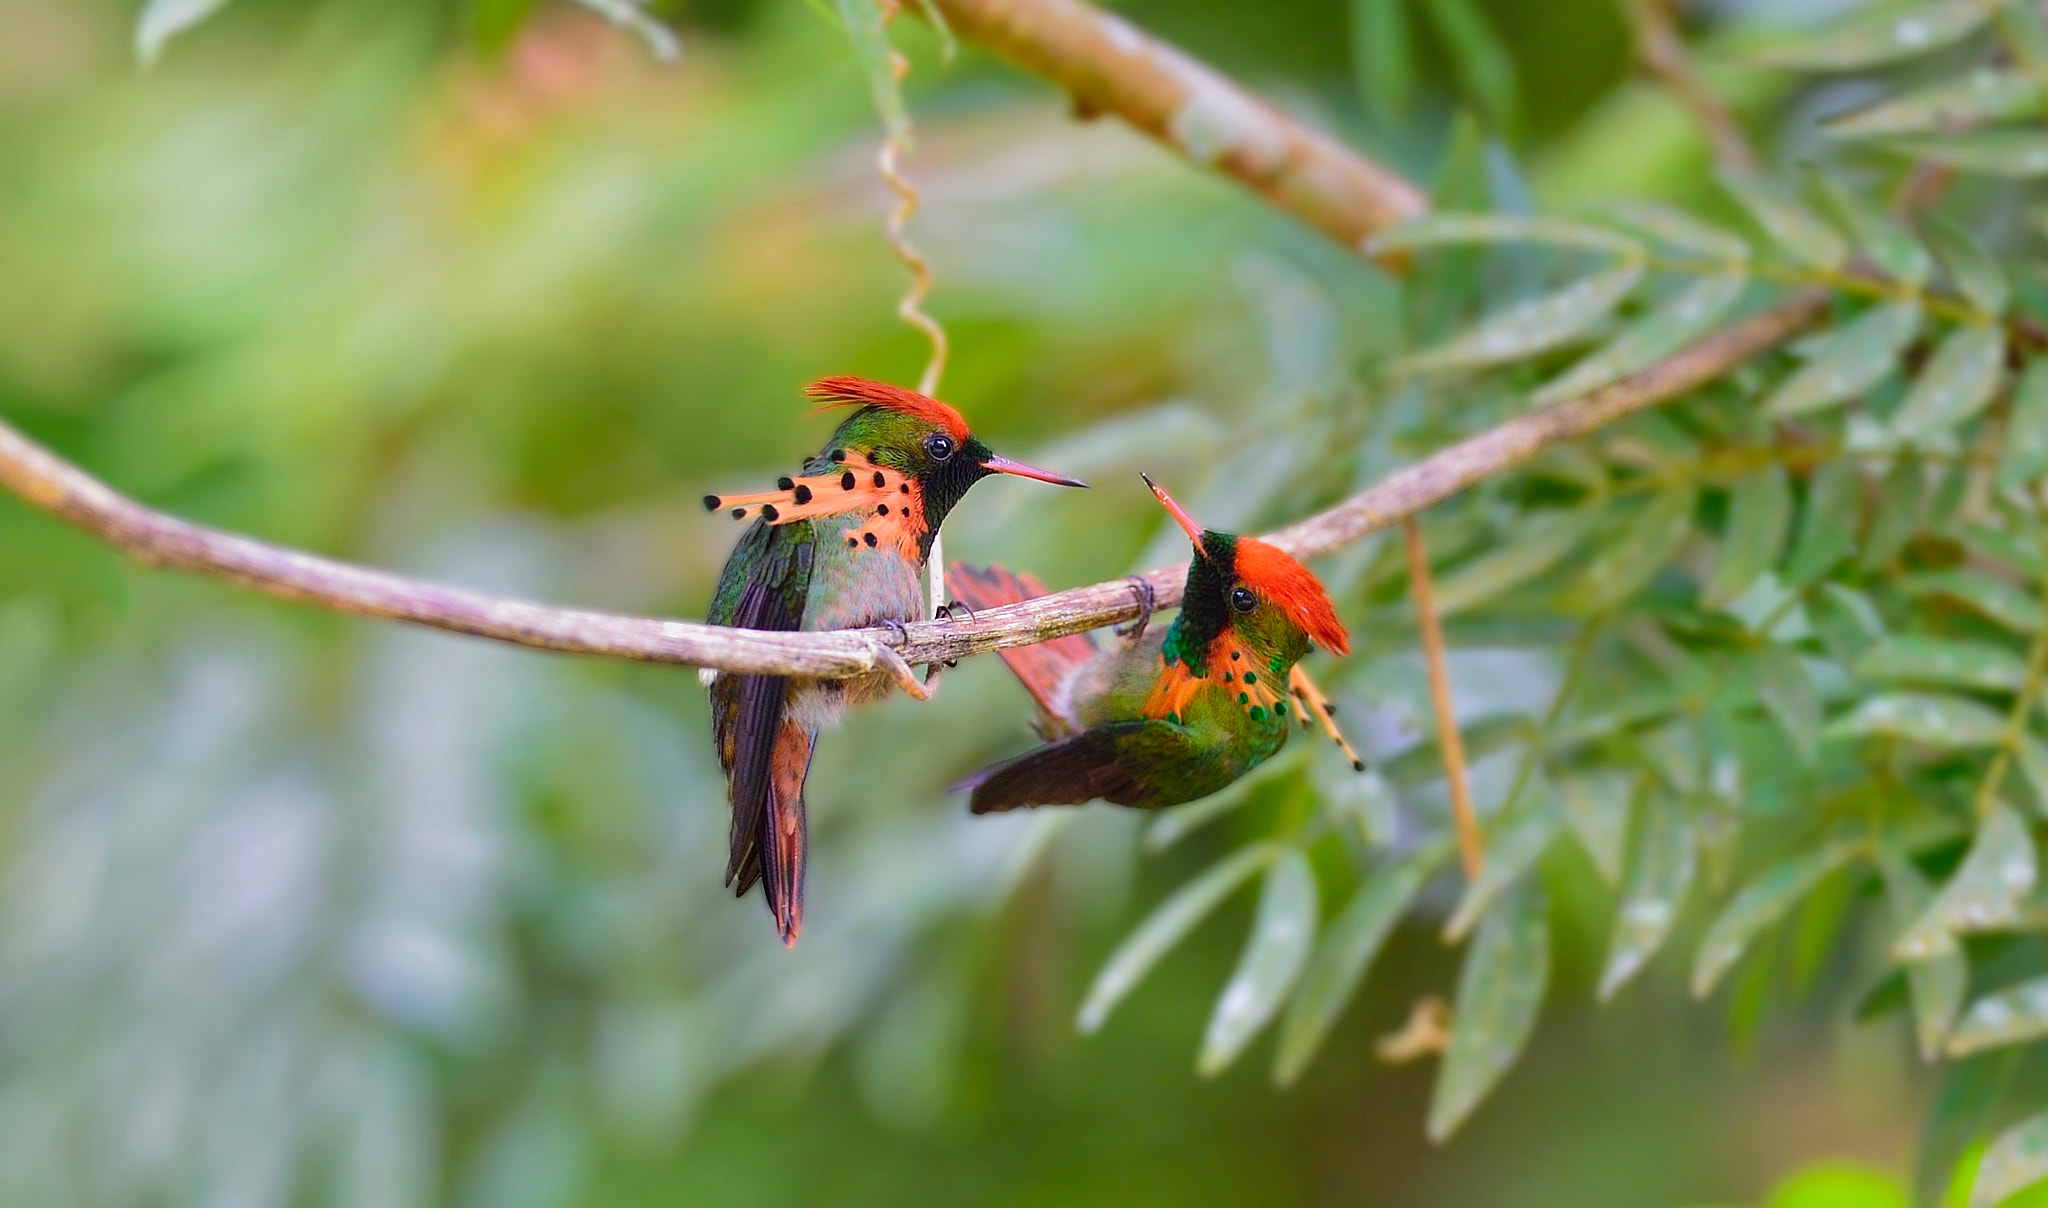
{"type": "Point", "coordinates": [299, 909]}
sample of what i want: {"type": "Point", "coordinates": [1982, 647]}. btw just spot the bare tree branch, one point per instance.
{"type": "Point", "coordinates": [67, 492]}
{"type": "Point", "coordinates": [1661, 52]}
{"type": "Point", "coordinates": [1109, 66]}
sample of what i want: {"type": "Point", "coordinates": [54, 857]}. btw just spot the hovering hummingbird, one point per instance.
{"type": "Point", "coordinates": [840, 546]}
{"type": "Point", "coordinates": [1167, 719]}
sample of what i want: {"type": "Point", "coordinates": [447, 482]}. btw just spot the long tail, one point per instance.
{"type": "Point", "coordinates": [772, 851]}
{"type": "Point", "coordinates": [1041, 668]}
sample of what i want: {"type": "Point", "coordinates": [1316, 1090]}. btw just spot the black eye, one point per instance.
{"type": "Point", "coordinates": [1242, 599]}
{"type": "Point", "coordinates": [938, 446]}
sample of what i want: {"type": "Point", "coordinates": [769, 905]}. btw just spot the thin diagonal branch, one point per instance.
{"type": "Point", "coordinates": [63, 490]}
{"type": "Point", "coordinates": [1661, 52]}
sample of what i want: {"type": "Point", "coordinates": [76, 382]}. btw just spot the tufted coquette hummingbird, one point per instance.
{"type": "Point", "coordinates": [840, 546]}
{"type": "Point", "coordinates": [1174, 717]}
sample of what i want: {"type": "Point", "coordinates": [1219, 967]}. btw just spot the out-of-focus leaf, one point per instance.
{"type": "Point", "coordinates": [1883, 36]}
{"type": "Point", "coordinates": [1362, 798]}
{"type": "Point", "coordinates": [1347, 949]}
{"type": "Point", "coordinates": [1660, 872]}
{"type": "Point", "coordinates": [1435, 230]}
{"type": "Point", "coordinates": [1796, 230]}
{"type": "Point", "coordinates": [1963, 1110]}
{"type": "Point", "coordinates": [1847, 622]}
{"type": "Point", "coordinates": [660, 40]}
{"type": "Point", "coordinates": [1976, 274]}
{"type": "Point", "coordinates": [1957, 383]}
{"type": "Point", "coordinates": [2017, 1160]}
{"type": "Point", "coordinates": [1940, 721]}
{"type": "Point", "coordinates": [162, 20]}
{"type": "Point", "coordinates": [1649, 339]}
{"type": "Point", "coordinates": [2025, 454]}
{"type": "Point", "coordinates": [1534, 546]}
{"type": "Point", "coordinates": [1447, 281]}
{"type": "Point", "coordinates": [1937, 984]}
{"type": "Point", "coordinates": [1166, 926]}
{"type": "Point", "coordinates": [2018, 549]}
{"type": "Point", "coordinates": [1985, 594]}
{"type": "Point", "coordinates": [2012, 1016]}
{"type": "Point", "coordinates": [2032, 756]}
{"type": "Point", "coordinates": [1532, 326]}
{"type": "Point", "coordinates": [1983, 96]}
{"type": "Point", "coordinates": [1762, 902]}
{"type": "Point", "coordinates": [1875, 232]}
{"type": "Point", "coordinates": [1901, 497]}
{"type": "Point", "coordinates": [1780, 680]}
{"type": "Point", "coordinates": [1759, 513]}
{"type": "Point", "coordinates": [1423, 763]}
{"type": "Point", "coordinates": [870, 34]}
{"type": "Point", "coordinates": [1510, 852]}
{"type": "Point", "coordinates": [2015, 153]}
{"type": "Point", "coordinates": [1500, 992]}
{"type": "Point", "coordinates": [1283, 931]}
{"type": "Point", "coordinates": [1827, 525]}
{"type": "Point", "coordinates": [1848, 361]}
{"type": "Point", "coordinates": [1485, 70]}
{"type": "Point", "coordinates": [1383, 56]}
{"type": "Point", "coordinates": [1621, 566]}
{"type": "Point", "coordinates": [1947, 662]}
{"type": "Point", "coordinates": [1985, 892]}
{"type": "Point", "coordinates": [1675, 228]}
{"type": "Point", "coordinates": [1596, 807]}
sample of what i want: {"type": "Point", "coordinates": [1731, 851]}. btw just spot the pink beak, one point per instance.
{"type": "Point", "coordinates": [1003, 465]}
{"type": "Point", "coordinates": [1179, 513]}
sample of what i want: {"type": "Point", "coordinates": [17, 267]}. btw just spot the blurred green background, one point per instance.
{"type": "Point", "coordinates": [307, 910]}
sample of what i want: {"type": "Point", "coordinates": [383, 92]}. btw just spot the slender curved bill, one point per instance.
{"type": "Point", "coordinates": [999, 464]}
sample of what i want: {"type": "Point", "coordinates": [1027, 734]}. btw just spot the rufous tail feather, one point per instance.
{"type": "Point", "coordinates": [1042, 667]}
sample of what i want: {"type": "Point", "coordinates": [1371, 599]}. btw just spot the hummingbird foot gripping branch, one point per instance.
{"type": "Point", "coordinates": [1170, 718]}
{"type": "Point", "coordinates": [843, 545]}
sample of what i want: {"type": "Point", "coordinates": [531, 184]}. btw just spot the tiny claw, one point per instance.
{"type": "Point", "coordinates": [896, 630]}
{"type": "Point", "coordinates": [1148, 599]}
{"type": "Point", "coordinates": [944, 612]}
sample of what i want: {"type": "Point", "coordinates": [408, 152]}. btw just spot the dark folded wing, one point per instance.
{"type": "Point", "coordinates": [1108, 762]}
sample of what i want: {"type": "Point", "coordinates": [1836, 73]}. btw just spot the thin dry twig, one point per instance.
{"type": "Point", "coordinates": [1661, 52]}
{"type": "Point", "coordinates": [67, 492]}
{"type": "Point", "coordinates": [911, 308]}
{"type": "Point", "coordinates": [1450, 741]}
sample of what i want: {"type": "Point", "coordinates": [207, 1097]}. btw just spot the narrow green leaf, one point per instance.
{"type": "Point", "coordinates": [870, 34]}
{"type": "Point", "coordinates": [162, 20]}
{"type": "Point", "coordinates": [1943, 662]}
{"type": "Point", "coordinates": [1796, 230]}
{"type": "Point", "coordinates": [1963, 1110]}
{"type": "Point", "coordinates": [1875, 232]}
{"type": "Point", "coordinates": [1997, 599]}
{"type": "Point", "coordinates": [1383, 56]}
{"type": "Point", "coordinates": [2017, 1160]}
{"type": "Point", "coordinates": [1532, 326]}
{"type": "Point", "coordinates": [2018, 549]}
{"type": "Point", "coordinates": [1283, 931]}
{"type": "Point", "coordinates": [1500, 992]}
{"type": "Point", "coordinates": [1957, 384]}
{"type": "Point", "coordinates": [1166, 926]}
{"type": "Point", "coordinates": [1620, 567]}
{"type": "Point", "coordinates": [1937, 983]}
{"type": "Point", "coordinates": [2025, 455]}
{"type": "Point", "coordinates": [1848, 361]}
{"type": "Point", "coordinates": [1828, 523]}
{"type": "Point", "coordinates": [1675, 228]}
{"type": "Point", "coordinates": [1485, 70]}
{"type": "Point", "coordinates": [1436, 230]}
{"type": "Point", "coordinates": [2024, 30]}
{"type": "Point", "coordinates": [1984, 96]}
{"type": "Point", "coordinates": [660, 40]}
{"type": "Point", "coordinates": [1596, 807]}
{"type": "Point", "coordinates": [1510, 852]}
{"type": "Point", "coordinates": [1762, 902]}
{"type": "Point", "coordinates": [1649, 339]}
{"type": "Point", "coordinates": [1847, 622]}
{"type": "Point", "coordinates": [2014, 1015]}
{"type": "Point", "coordinates": [2015, 153]}
{"type": "Point", "coordinates": [1984, 894]}
{"type": "Point", "coordinates": [1940, 721]}
{"type": "Point", "coordinates": [1759, 513]}
{"type": "Point", "coordinates": [1347, 949]}
{"type": "Point", "coordinates": [1901, 498]}
{"type": "Point", "coordinates": [1884, 36]}
{"type": "Point", "coordinates": [1536, 544]}
{"type": "Point", "coordinates": [1660, 872]}
{"type": "Point", "coordinates": [1976, 275]}
{"type": "Point", "coordinates": [2032, 755]}
{"type": "Point", "coordinates": [1788, 695]}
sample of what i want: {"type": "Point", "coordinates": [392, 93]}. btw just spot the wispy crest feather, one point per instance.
{"type": "Point", "coordinates": [863, 392]}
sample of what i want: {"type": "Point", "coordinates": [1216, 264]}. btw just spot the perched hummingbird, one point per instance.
{"type": "Point", "coordinates": [1163, 720]}
{"type": "Point", "coordinates": [841, 546]}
